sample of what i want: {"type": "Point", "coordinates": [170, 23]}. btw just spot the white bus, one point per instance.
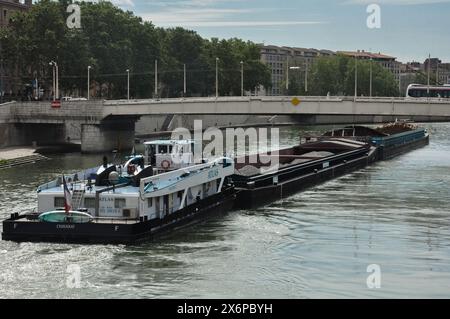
{"type": "Point", "coordinates": [423, 90]}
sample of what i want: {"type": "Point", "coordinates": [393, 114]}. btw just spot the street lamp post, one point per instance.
{"type": "Point", "coordinates": [306, 76]}
{"type": "Point", "coordinates": [217, 78]}
{"type": "Point", "coordinates": [242, 78]}
{"type": "Point", "coordinates": [88, 80]}
{"type": "Point", "coordinates": [55, 80]}
{"type": "Point", "coordinates": [370, 88]}
{"type": "Point", "coordinates": [1, 79]}
{"type": "Point", "coordinates": [356, 77]}
{"type": "Point", "coordinates": [184, 80]}
{"type": "Point", "coordinates": [128, 84]}
{"type": "Point", "coordinates": [287, 80]}
{"type": "Point", "coordinates": [156, 78]}
{"type": "Point", "coordinates": [428, 77]}
{"type": "Point", "coordinates": [1, 75]}
{"type": "Point", "coordinates": [287, 75]}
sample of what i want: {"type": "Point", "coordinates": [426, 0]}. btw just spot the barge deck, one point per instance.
{"type": "Point", "coordinates": [348, 149]}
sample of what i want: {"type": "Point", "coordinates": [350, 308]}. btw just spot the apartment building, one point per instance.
{"type": "Point", "coordinates": [279, 59]}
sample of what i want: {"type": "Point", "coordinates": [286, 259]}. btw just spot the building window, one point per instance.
{"type": "Point", "coordinates": [150, 202]}
{"type": "Point", "coordinates": [119, 202]}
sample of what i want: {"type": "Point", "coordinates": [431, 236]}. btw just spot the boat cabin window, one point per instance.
{"type": "Point", "coordinates": [119, 202]}
{"type": "Point", "coordinates": [150, 202]}
{"type": "Point", "coordinates": [59, 202]}
{"type": "Point", "coordinates": [226, 162]}
{"type": "Point", "coordinates": [89, 202]}
{"type": "Point", "coordinates": [165, 149]}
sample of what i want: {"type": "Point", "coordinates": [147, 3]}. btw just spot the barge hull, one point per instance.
{"type": "Point", "coordinates": [253, 198]}
{"type": "Point", "coordinates": [391, 151]}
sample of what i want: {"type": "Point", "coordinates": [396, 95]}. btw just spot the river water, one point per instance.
{"type": "Point", "coordinates": [316, 244]}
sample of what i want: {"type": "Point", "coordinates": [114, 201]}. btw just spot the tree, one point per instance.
{"type": "Point", "coordinates": [336, 76]}
{"type": "Point", "coordinates": [111, 41]}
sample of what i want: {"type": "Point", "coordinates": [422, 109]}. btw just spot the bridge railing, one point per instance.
{"type": "Point", "coordinates": [273, 99]}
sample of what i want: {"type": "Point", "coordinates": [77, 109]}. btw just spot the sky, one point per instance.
{"type": "Point", "coordinates": [410, 29]}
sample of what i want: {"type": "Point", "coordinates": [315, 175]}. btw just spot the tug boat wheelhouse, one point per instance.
{"type": "Point", "coordinates": [150, 193]}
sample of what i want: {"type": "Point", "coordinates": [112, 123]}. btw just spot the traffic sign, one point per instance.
{"type": "Point", "coordinates": [56, 104]}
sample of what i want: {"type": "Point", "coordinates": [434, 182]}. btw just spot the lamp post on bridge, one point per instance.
{"type": "Point", "coordinates": [217, 78]}
{"type": "Point", "coordinates": [1, 75]}
{"type": "Point", "coordinates": [88, 80]}
{"type": "Point", "coordinates": [356, 78]}
{"type": "Point", "coordinates": [287, 74]}
{"type": "Point", "coordinates": [287, 80]}
{"type": "Point", "coordinates": [184, 80]}
{"type": "Point", "coordinates": [156, 78]}
{"type": "Point", "coordinates": [428, 76]}
{"type": "Point", "coordinates": [370, 88]}
{"type": "Point", "coordinates": [306, 76]}
{"type": "Point", "coordinates": [55, 80]}
{"type": "Point", "coordinates": [128, 84]}
{"type": "Point", "coordinates": [242, 78]}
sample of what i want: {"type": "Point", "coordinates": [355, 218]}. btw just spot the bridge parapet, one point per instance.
{"type": "Point", "coordinates": [42, 112]}
{"type": "Point", "coordinates": [97, 111]}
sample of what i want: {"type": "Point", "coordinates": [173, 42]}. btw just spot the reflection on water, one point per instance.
{"type": "Point", "coordinates": [314, 244]}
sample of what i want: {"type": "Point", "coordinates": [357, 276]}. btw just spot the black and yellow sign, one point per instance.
{"type": "Point", "coordinates": [295, 101]}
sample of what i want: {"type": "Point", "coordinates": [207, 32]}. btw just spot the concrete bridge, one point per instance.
{"type": "Point", "coordinates": [105, 125]}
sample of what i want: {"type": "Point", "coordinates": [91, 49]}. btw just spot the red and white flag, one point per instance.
{"type": "Point", "coordinates": [67, 197]}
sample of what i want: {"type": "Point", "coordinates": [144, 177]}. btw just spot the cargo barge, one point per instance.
{"type": "Point", "coordinates": [322, 158]}
{"type": "Point", "coordinates": [164, 189]}
{"type": "Point", "coordinates": [299, 168]}
{"type": "Point", "coordinates": [392, 139]}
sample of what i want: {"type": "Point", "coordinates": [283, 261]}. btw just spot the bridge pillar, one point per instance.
{"type": "Point", "coordinates": [107, 136]}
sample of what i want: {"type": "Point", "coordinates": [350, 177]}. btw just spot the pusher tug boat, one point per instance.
{"type": "Point", "coordinates": [149, 194]}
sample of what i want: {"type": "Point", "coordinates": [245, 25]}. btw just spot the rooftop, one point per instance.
{"type": "Point", "coordinates": [367, 55]}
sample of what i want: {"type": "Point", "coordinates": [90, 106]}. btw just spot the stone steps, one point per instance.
{"type": "Point", "coordinates": [22, 161]}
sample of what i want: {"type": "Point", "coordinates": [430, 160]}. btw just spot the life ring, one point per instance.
{"type": "Point", "coordinates": [165, 164]}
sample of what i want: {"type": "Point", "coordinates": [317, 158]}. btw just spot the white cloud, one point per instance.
{"type": "Point", "coordinates": [212, 17]}
{"type": "Point", "coordinates": [191, 24]}
{"type": "Point", "coordinates": [123, 3]}
{"type": "Point", "coordinates": [189, 3]}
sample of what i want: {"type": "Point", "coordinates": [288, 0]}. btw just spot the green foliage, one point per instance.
{"type": "Point", "coordinates": [112, 40]}
{"type": "Point", "coordinates": [422, 78]}
{"type": "Point", "coordinates": [336, 76]}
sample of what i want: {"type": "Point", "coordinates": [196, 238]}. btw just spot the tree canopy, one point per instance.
{"type": "Point", "coordinates": [336, 75]}
{"type": "Point", "coordinates": [111, 41]}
